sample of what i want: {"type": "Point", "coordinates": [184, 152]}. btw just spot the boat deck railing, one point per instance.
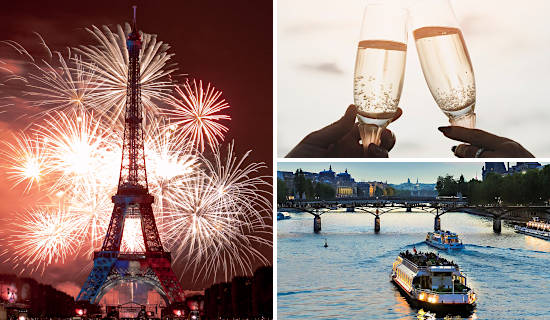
{"type": "Point", "coordinates": [415, 267]}
{"type": "Point", "coordinates": [411, 265]}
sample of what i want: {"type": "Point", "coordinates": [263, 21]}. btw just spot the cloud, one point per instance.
{"type": "Point", "coordinates": [328, 67]}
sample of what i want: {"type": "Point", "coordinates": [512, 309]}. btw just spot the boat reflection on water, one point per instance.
{"type": "Point", "coordinates": [423, 315]}
{"type": "Point", "coordinates": [537, 244]}
{"type": "Point", "coordinates": [426, 315]}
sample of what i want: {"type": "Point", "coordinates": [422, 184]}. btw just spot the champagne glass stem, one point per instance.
{"type": "Point", "coordinates": [468, 120]}
{"type": "Point", "coordinates": [370, 133]}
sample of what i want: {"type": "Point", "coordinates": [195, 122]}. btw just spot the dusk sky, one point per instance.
{"type": "Point", "coordinates": [228, 44]}
{"type": "Point", "coordinates": [393, 172]}
{"type": "Point", "coordinates": [508, 42]}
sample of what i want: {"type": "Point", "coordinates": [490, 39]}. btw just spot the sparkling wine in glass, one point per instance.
{"type": "Point", "coordinates": [445, 60]}
{"type": "Point", "coordinates": [379, 69]}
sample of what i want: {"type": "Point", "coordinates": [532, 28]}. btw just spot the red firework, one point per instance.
{"type": "Point", "coordinates": [197, 113]}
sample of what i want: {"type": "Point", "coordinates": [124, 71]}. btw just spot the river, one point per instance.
{"type": "Point", "coordinates": [350, 279]}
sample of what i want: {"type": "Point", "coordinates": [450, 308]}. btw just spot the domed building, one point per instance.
{"type": "Point", "coordinates": [345, 185]}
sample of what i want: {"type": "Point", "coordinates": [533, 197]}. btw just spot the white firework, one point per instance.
{"type": "Point", "coordinates": [108, 61]}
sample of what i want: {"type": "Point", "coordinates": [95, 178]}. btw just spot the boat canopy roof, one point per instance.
{"type": "Point", "coordinates": [451, 269]}
{"type": "Point", "coordinates": [445, 232]}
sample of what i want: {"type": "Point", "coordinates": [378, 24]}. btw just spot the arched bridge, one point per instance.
{"type": "Point", "coordinates": [437, 207]}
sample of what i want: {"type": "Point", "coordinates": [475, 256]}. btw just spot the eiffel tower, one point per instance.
{"type": "Point", "coordinates": [112, 267]}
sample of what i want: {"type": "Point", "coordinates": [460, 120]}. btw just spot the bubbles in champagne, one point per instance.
{"type": "Point", "coordinates": [447, 68]}
{"type": "Point", "coordinates": [456, 98]}
{"type": "Point", "coordinates": [378, 81]}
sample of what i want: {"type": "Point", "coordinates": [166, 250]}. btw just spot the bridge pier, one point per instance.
{"type": "Point", "coordinates": [376, 224]}
{"type": "Point", "coordinates": [497, 225]}
{"type": "Point", "coordinates": [317, 224]}
{"type": "Point", "coordinates": [437, 223]}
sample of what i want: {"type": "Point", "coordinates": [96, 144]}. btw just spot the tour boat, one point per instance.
{"type": "Point", "coordinates": [535, 228]}
{"type": "Point", "coordinates": [282, 216]}
{"type": "Point", "coordinates": [444, 240]}
{"type": "Point", "coordinates": [432, 283]}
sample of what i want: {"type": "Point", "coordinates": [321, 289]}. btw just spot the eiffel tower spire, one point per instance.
{"type": "Point", "coordinates": [133, 173]}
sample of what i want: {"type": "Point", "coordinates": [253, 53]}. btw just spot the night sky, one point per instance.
{"type": "Point", "coordinates": [227, 43]}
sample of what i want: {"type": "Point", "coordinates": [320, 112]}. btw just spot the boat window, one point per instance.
{"type": "Point", "coordinates": [425, 282]}
{"type": "Point", "coordinates": [442, 281]}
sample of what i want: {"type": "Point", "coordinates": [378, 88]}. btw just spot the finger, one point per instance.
{"type": "Point", "coordinates": [304, 150]}
{"type": "Point", "coordinates": [474, 137]}
{"type": "Point", "coordinates": [490, 154]}
{"type": "Point", "coordinates": [397, 114]}
{"type": "Point", "coordinates": [354, 133]}
{"type": "Point", "coordinates": [469, 151]}
{"type": "Point", "coordinates": [387, 140]}
{"type": "Point", "coordinates": [335, 131]}
{"type": "Point", "coordinates": [465, 150]}
{"type": "Point", "coordinates": [352, 138]}
{"type": "Point", "coordinates": [512, 149]}
{"type": "Point", "coordinates": [374, 151]}
{"type": "Point", "coordinates": [348, 146]}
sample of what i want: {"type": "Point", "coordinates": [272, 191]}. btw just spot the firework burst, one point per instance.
{"type": "Point", "coordinates": [42, 237]}
{"type": "Point", "coordinates": [215, 233]}
{"type": "Point", "coordinates": [67, 85]}
{"type": "Point", "coordinates": [24, 160]}
{"type": "Point", "coordinates": [171, 163]}
{"type": "Point", "coordinates": [239, 184]}
{"type": "Point", "coordinates": [108, 61]}
{"type": "Point", "coordinates": [79, 149]}
{"type": "Point", "coordinates": [197, 114]}
{"type": "Point", "coordinates": [90, 207]}
{"type": "Point", "coordinates": [96, 76]}
{"type": "Point", "coordinates": [54, 82]}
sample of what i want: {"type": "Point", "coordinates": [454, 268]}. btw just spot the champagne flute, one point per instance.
{"type": "Point", "coordinates": [445, 60]}
{"type": "Point", "coordinates": [379, 69]}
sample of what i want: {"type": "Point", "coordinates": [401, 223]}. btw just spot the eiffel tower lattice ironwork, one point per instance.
{"type": "Point", "coordinates": [112, 267]}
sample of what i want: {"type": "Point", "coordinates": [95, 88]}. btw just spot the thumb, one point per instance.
{"type": "Point", "coordinates": [341, 127]}
{"type": "Point", "coordinates": [350, 114]}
